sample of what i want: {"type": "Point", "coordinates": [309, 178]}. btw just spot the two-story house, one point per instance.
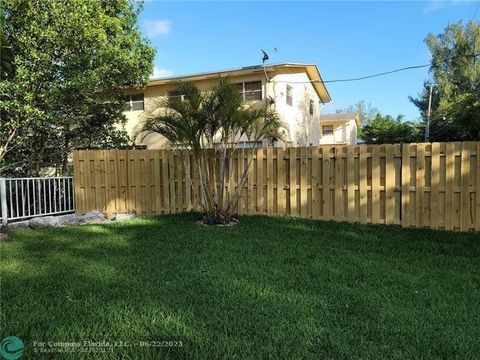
{"type": "Point", "coordinates": [294, 91]}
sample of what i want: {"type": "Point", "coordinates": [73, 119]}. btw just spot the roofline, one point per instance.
{"type": "Point", "coordinates": [356, 118]}
{"type": "Point", "coordinates": [213, 72]}
{"type": "Point", "coordinates": [318, 84]}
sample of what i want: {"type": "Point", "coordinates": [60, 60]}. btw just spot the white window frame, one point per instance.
{"type": "Point", "coordinates": [130, 102]}
{"type": "Point", "coordinates": [288, 87]}
{"type": "Point", "coordinates": [244, 91]}
{"type": "Point", "coordinates": [182, 96]}
{"type": "Point", "coordinates": [330, 134]}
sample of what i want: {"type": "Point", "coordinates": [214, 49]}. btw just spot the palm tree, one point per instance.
{"type": "Point", "coordinates": [211, 125]}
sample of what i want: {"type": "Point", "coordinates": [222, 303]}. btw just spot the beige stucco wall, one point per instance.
{"type": "Point", "coordinates": [152, 94]}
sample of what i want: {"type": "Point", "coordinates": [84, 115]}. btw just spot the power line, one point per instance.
{"type": "Point", "coordinates": [379, 74]}
{"type": "Point", "coordinates": [369, 76]}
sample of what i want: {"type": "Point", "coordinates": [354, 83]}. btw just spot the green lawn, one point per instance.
{"type": "Point", "coordinates": [266, 288]}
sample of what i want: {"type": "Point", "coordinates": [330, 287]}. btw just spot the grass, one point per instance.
{"type": "Point", "coordinates": [266, 288]}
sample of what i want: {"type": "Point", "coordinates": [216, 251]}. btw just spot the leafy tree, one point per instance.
{"type": "Point", "coordinates": [456, 72]}
{"type": "Point", "coordinates": [6, 54]}
{"type": "Point", "coordinates": [71, 60]}
{"type": "Point", "coordinates": [384, 129]}
{"type": "Point", "coordinates": [366, 111]}
{"type": "Point", "coordinates": [212, 124]}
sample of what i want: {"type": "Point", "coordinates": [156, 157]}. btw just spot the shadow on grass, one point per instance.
{"type": "Point", "coordinates": [266, 287]}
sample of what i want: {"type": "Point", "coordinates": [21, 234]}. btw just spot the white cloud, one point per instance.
{"type": "Point", "coordinates": [157, 27]}
{"type": "Point", "coordinates": [434, 5]}
{"type": "Point", "coordinates": [160, 72]}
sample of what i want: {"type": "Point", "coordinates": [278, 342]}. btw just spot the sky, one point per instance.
{"type": "Point", "coordinates": [344, 39]}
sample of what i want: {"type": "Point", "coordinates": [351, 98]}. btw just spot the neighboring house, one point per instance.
{"type": "Point", "coordinates": [295, 92]}
{"type": "Point", "coordinates": [338, 128]}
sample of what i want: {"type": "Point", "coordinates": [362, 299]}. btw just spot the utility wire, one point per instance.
{"type": "Point", "coordinates": [369, 76]}
{"type": "Point", "coordinates": [379, 74]}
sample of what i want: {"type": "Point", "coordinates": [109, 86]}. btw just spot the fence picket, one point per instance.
{"type": "Point", "coordinates": [477, 191]}
{"type": "Point", "coordinates": [270, 180]}
{"type": "Point", "coordinates": [405, 185]}
{"type": "Point", "coordinates": [281, 199]}
{"type": "Point", "coordinates": [420, 186]}
{"type": "Point", "coordinates": [363, 184]}
{"type": "Point", "coordinates": [293, 181]}
{"type": "Point", "coordinates": [450, 169]}
{"type": "Point", "coordinates": [465, 214]}
{"type": "Point", "coordinates": [389, 185]}
{"type": "Point", "coordinates": [436, 220]}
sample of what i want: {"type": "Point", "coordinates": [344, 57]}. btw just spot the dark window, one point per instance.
{"type": "Point", "coordinates": [310, 107]}
{"type": "Point", "coordinates": [327, 129]}
{"type": "Point", "coordinates": [176, 95]}
{"type": "Point", "coordinates": [126, 103]}
{"type": "Point", "coordinates": [134, 102]}
{"type": "Point", "coordinates": [289, 95]}
{"type": "Point", "coordinates": [251, 91]}
{"type": "Point", "coordinates": [239, 86]}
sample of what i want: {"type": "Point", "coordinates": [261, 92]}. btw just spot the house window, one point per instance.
{"type": "Point", "coordinates": [176, 95]}
{"type": "Point", "coordinates": [327, 130]}
{"type": "Point", "coordinates": [134, 102]}
{"type": "Point", "coordinates": [310, 107]}
{"type": "Point", "coordinates": [251, 91]}
{"type": "Point", "coordinates": [289, 95]}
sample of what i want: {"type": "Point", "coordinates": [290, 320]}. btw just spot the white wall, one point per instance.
{"type": "Point", "coordinates": [343, 132]}
{"type": "Point", "coordinates": [301, 124]}
{"type": "Point", "coordinates": [352, 132]}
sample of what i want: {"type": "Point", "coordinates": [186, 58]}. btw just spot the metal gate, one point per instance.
{"type": "Point", "coordinates": [23, 198]}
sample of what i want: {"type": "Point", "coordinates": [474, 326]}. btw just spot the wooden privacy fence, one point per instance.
{"type": "Point", "coordinates": [434, 185]}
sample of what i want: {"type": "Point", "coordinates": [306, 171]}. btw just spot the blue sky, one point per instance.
{"type": "Point", "coordinates": [345, 39]}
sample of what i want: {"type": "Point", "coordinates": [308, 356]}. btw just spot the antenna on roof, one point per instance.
{"type": "Point", "coordinates": [265, 56]}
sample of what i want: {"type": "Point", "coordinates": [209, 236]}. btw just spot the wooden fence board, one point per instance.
{"type": "Point", "coordinates": [270, 188]}
{"type": "Point", "coordinates": [292, 163]}
{"type": "Point", "coordinates": [420, 186]}
{"type": "Point", "coordinates": [315, 184]}
{"type": "Point", "coordinates": [303, 182]}
{"type": "Point", "coordinates": [351, 183]}
{"type": "Point", "coordinates": [389, 185]}
{"type": "Point", "coordinates": [477, 194]}
{"type": "Point", "coordinates": [376, 184]}
{"type": "Point", "coordinates": [436, 218]}
{"type": "Point", "coordinates": [405, 185]}
{"type": "Point", "coordinates": [465, 215]}
{"type": "Point", "coordinates": [260, 177]}
{"type": "Point", "coordinates": [450, 170]}
{"type": "Point", "coordinates": [363, 184]}
{"type": "Point", "coordinates": [281, 204]}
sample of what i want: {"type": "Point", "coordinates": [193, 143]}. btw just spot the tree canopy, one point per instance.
{"type": "Point", "coordinates": [71, 61]}
{"type": "Point", "coordinates": [366, 111]}
{"type": "Point", "coordinates": [384, 129]}
{"type": "Point", "coordinates": [456, 72]}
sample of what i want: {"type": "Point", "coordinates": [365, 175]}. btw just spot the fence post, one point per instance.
{"type": "Point", "coordinates": [3, 200]}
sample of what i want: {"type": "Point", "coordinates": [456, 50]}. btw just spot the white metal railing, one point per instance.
{"type": "Point", "coordinates": [23, 198]}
